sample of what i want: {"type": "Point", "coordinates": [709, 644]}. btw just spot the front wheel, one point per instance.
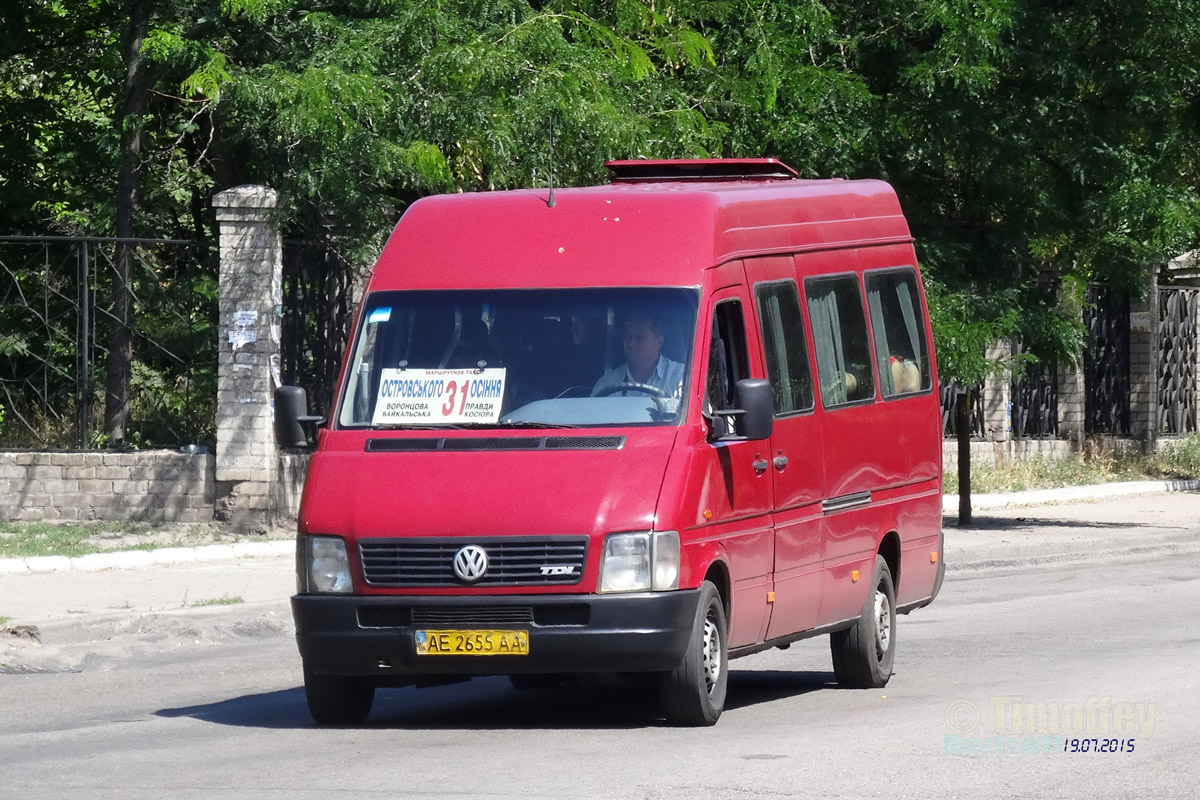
{"type": "Point", "coordinates": [694, 692]}
{"type": "Point", "coordinates": [338, 699]}
{"type": "Point", "coordinates": [863, 653]}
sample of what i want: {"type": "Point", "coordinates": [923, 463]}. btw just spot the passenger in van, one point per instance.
{"type": "Point", "coordinates": [906, 375]}
{"type": "Point", "coordinates": [642, 340]}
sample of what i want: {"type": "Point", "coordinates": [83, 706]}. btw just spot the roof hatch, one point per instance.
{"type": "Point", "coordinates": [700, 169]}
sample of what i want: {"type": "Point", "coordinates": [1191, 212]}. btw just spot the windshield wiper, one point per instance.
{"type": "Point", "coordinates": [524, 424]}
{"type": "Point", "coordinates": [410, 427]}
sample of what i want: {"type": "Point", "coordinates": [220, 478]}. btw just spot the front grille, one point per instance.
{"type": "Point", "coordinates": [401, 616]}
{"type": "Point", "coordinates": [485, 615]}
{"type": "Point", "coordinates": [512, 561]}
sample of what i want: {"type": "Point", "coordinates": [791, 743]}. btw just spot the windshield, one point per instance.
{"type": "Point", "coordinates": [521, 358]}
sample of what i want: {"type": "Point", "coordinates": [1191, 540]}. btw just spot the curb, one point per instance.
{"type": "Point", "coordinates": [991, 560]}
{"type": "Point", "coordinates": [245, 618]}
{"type": "Point", "coordinates": [1063, 494]}
{"type": "Point", "coordinates": [134, 559]}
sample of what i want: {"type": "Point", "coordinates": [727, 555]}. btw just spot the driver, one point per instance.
{"type": "Point", "coordinates": [642, 341]}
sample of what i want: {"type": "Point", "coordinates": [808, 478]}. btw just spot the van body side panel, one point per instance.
{"type": "Point", "coordinates": [799, 488]}
{"type": "Point", "coordinates": [722, 482]}
{"type": "Point", "coordinates": [874, 451]}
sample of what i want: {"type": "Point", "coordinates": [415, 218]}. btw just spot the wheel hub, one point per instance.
{"type": "Point", "coordinates": [712, 652]}
{"type": "Point", "coordinates": [883, 626]}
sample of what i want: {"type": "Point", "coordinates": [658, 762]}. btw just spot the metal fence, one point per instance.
{"type": "Point", "coordinates": [56, 325]}
{"type": "Point", "coordinates": [1034, 398]}
{"type": "Point", "coordinates": [1106, 362]}
{"type": "Point", "coordinates": [320, 287]}
{"type": "Point", "coordinates": [1177, 333]}
{"type": "Point", "coordinates": [950, 398]}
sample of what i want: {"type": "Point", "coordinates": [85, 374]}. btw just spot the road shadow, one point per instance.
{"type": "Point", "coordinates": [752, 687]}
{"type": "Point", "coordinates": [278, 710]}
{"type": "Point", "coordinates": [492, 704]}
{"type": "Point", "coordinates": [982, 522]}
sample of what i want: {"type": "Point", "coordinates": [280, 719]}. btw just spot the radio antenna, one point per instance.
{"type": "Point", "coordinates": [550, 199]}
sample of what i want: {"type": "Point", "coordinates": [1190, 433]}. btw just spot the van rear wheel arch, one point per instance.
{"type": "Point", "coordinates": [718, 575]}
{"type": "Point", "coordinates": [889, 548]}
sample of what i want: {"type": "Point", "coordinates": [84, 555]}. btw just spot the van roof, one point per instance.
{"type": "Point", "coordinates": [636, 231]}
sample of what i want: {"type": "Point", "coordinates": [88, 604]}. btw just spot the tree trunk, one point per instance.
{"type": "Point", "coordinates": [120, 353]}
{"type": "Point", "coordinates": [962, 430]}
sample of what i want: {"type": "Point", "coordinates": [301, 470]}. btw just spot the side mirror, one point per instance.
{"type": "Point", "coordinates": [754, 417]}
{"type": "Point", "coordinates": [755, 397]}
{"type": "Point", "coordinates": [291, 414]}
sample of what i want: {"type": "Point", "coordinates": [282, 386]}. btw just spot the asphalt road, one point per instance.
{"type": "Point", "coordinates": [1009, 659]}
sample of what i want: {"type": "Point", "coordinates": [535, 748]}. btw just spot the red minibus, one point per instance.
{"type": "Point", "coordinates": [637, 429]}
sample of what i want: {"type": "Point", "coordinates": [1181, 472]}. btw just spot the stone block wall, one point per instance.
{"type": "Point", "coordinates": [1007, 451]}
{"type": "Point", "coordinates": [112, 487]}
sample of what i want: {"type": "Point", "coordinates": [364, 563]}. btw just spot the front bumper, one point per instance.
{"type": "Point", "coordinates": [374, 636]}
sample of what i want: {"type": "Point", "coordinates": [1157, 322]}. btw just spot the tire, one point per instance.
{"type": "Point", "coordinates": [338, 699]}
{"type": "Point", "coordinates": [863, 654]}
{"type": "Point", "coordinates": [693, 694]}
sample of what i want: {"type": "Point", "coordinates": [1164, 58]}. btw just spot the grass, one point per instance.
{"type": "Point", "coordinates": [223, 600]}
{"type": "Point", "coordinates": [4, 621]}
{"type": "Point", "coordinates": [1176, 461]}
{"type": "Point", "coordinates": [22, 540]}
{"type": "Point", "coordinates": [26, 539]}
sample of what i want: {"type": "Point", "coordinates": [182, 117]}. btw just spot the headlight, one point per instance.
{"type": "Point", "coordinates": [323, 565]}
{"type": "Point", "coordinates": [639, 562]}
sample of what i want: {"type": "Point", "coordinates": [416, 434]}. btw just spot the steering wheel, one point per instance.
{"type": "Point", "coordinates": [630, 386]}
{"type": "Point", "coordinates": [658, 395]}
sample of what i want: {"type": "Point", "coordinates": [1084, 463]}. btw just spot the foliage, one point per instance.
{"type": "Point", "coordinates": [967, 324]}
{"type": "Point", "coordinates": [223, 600]}
{"type": "Point", "coordinates": [1024, 138]}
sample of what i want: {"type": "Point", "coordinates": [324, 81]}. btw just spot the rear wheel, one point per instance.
{"type": "Point", "coordinates": [863, 653]}
{"type": "Point", "coordinates": [694, 692]}
{"type": "Point", "coordinates": [338, 699]}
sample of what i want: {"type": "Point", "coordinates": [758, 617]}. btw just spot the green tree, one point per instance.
{"type": "Point", "coordinates": [1025, 138]}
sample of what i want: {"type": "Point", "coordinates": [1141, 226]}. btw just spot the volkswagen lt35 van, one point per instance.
{"type": "Point", "coordinates": [645, 427]}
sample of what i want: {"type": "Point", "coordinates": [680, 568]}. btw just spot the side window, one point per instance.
{"type": "Point", "coordinates": [727, 363]}
{"type": "Point", "coordinates": [785, 346]}
{"type": "Point", "coordinates": [840, 339]}
{"type": "Point", "coordinates": [901, 350]}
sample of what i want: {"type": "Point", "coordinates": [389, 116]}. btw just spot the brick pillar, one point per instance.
{"type": "Point", "coordinates": [1143, 366]}
{"type": "Point", "coordinates": [997, 396]}
{"type": "Point", "coordinates": [1072, 394]}
{"type": "Point", "coordinates": [1072, 401]}
{"type": "Point", "coordinates": [248, 362]}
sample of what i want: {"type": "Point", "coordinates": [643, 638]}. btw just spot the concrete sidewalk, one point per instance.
{"type": "Point", "coordinates": [1113, 528]}
{"type": "Point", "coordinates": [225, 585]}
{"type": "Point", "coordinates": [75, 606]}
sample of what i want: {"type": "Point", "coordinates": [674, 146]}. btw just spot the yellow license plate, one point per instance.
{"type": "Point", "coordinates": [472, 643]}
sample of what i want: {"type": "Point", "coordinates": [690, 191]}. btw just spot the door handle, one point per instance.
{"type": "Point", "coordinates": [780, 462]}
{"type": "Point", "coordinates": [760, 465]}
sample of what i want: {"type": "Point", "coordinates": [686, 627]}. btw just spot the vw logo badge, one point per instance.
{"type": "Point", "coordinates": [470, 563]}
